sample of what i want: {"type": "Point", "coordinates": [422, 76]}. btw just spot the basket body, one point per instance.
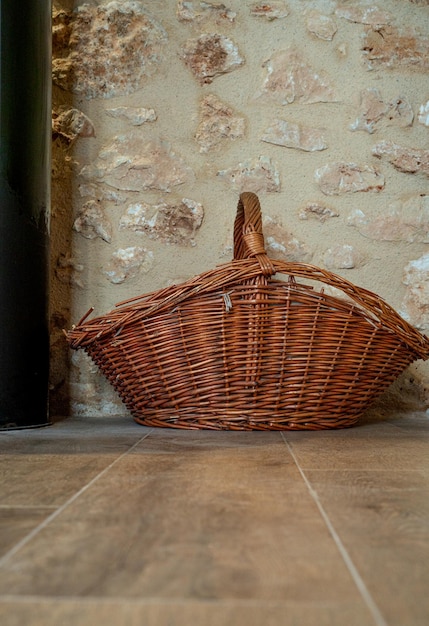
{"type": "Point", "coordinates": [250, 354]}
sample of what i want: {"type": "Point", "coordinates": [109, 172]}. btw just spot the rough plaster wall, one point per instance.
{"type": "Point", "coordinates": [164, 110]}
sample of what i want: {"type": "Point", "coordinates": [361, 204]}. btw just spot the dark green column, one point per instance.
{"type": "Point", "coordinates": [25, 132]}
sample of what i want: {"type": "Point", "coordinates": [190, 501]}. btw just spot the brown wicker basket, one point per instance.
{"type": "Point", "coordinates": [234, 348]}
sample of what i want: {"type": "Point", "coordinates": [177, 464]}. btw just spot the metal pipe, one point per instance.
{"type": "Point", "coordinates": [25, 132]}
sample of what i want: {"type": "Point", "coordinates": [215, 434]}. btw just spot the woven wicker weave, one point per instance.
{"type": "Point", "coordinates": [234, 348]}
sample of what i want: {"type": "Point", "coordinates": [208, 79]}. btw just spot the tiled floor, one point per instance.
{"type": "Point", "coordinates": [104, 522]}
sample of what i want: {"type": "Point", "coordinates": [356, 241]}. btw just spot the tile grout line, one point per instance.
{"type": "Point", "coordinates": [369, 601]}
{"type": "Point", "coordinates": [60, 509]}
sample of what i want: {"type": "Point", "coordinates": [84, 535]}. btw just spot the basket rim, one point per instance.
{"type": "Point", "coordinates": [242, 271]}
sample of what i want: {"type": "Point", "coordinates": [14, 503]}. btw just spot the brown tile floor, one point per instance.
{"type": "Point", "coordinates": [106, 522]}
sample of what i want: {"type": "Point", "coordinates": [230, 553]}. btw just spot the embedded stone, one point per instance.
{"type": "Point", "coordinates": [415, 305]}
{"type": "Point", "coordinates": [62, 73]}
{"type": "Point", "coordinates": [101, 193]}
{"type": "Point", "coordinates": [60, 29]}
{"type": "Point", "coordinates": [105, 50]}
{"type": "Point", "coordinates": [92, 222]}
{"type": "Point", "coordinates": [341, 257]}
{"type": "Point", "coordinates": [423, 116]}
{"type": "Point", "coordinates": [407, 160]}
{"type": "Point", "coordinates": [314, 210]}
{"type": "Point", "coordinates": [389, 47]}
{"type": "Point", "coordinates": [334, 292]}
{"type": "Point", "coordinates": [259, 174]}
{"type": "Point", "coordinates": [90, 393]}
{"type": "Point", "coordinates": [135, 115]}
{"type": "Point", "coordinates": [170, 223]}
{"type": "Point", "coordinates": [69, 271]}
{"type": "Point", "coordinates": [323, 26]}
{"type": "Point", "coordinates": [290, 135]}
{"type": "Point", "coordinates": [364, 14]}
{"type": "Point", "coordinates": [130, 163]}
{"type": "Point", "coordinates": [94, 399]}
{"type": "Point", "coordinates": [211, 55]}
{"type": "Point", "coordinates": [269, 10]}
{"type": "Point", "coordinates": [126, 263]}
{"type": "Point", "coordinates": [400, 112]}
{"type": "Point", "coordinates": [71, 123]}
{"type": "Point", "coordinates": [289, 78]}
{"type": "Point", "coordinates": [200, 12]}
{"type": "Point", "coordinates": [373, 110]}
{"type": "Point", "coordinates": [282, 245]}
{"type": "Point", "coordinates": [404, 220]}
{"type": "Point", "coordinates": [218, 123]}
{"type": "Point", "coordinates": [340, 177]}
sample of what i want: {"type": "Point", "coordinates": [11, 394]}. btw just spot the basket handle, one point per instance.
{"type": "Point", "coordinates": [249, 242]}
{"type": "Point", "coordinates": [248, 235]}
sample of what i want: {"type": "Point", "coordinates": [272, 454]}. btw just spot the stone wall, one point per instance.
{"type": "Point", "coordinates": [165, 110]}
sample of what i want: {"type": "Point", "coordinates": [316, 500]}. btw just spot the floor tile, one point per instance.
{"type": "Point", "coordinates": [81, 612]}
{"type": "Point", "coordinates": [382, 519]}
{"type": "Point", "coordinates": [377, 446]}
{"type": "Point", "coordinates": [75, 435]}
{"type": "Point", "coordinates": [47, 480]}
{"type": "Point", "coordinates": [17, 522]}
{"type": "Point", "coordinates": [168, 527]}
{"type": "Point", "coordinates": [46, 466]}
{"type": "Point", "coordinates": [180, 519]}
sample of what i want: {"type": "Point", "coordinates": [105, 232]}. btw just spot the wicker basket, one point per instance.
{"type": "Point", "coordinates": [234, 348]}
